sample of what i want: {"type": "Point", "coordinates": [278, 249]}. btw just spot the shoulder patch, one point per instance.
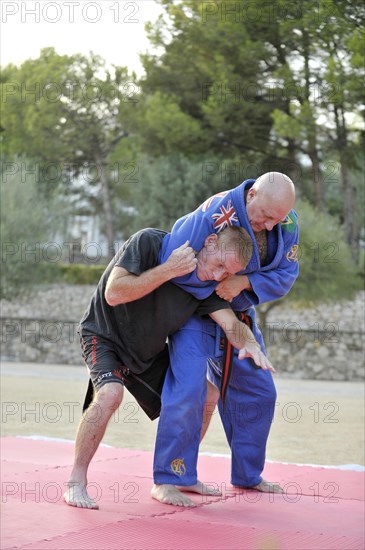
{"type": "Point", "coordinates": [290, 223]}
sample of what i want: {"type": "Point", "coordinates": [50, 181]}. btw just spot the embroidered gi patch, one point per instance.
{"type": "Point", "coordinates": [178, 466]}
{"type": "Point", "coordinates": [292, 254]}
{"type": "Point", "coordinates": [225, 218]}
{"type": "Point", "coordinates": [290, 223]}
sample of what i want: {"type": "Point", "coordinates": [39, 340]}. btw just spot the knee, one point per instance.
{"type": "Point", "coordinates": [212, 395]}
{"type": "Point", "coordinates": [110, 396]}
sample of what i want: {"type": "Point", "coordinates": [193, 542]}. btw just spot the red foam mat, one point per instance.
{"type": "Point", "coordinates": [321, 509]}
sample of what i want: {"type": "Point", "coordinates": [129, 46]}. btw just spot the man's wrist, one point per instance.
{"type": "Point", "coordinates": [249, 285]}
{"type": "Point", "coordinates": [246, 285]}
{"type": "Point", "coordinates": [165, 272]}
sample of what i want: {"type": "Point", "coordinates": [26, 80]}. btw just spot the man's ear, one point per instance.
{"type": "Point", "coordinates": [251, 194]}
{"type": "Point", "coordinates": [211, 239]}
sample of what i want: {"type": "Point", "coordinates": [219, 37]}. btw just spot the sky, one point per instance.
{"type": "Point", "coordinates": [112, 29]}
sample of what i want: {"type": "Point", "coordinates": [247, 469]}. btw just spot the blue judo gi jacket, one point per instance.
{"type": "Point", "coordinates": [270, 281]}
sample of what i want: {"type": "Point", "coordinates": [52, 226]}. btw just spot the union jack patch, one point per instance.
{"type": "Point", "coordinates": [225, 217]}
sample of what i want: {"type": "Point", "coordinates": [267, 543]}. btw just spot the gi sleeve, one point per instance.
{"type": "Point", "coordinates": [275, 283]}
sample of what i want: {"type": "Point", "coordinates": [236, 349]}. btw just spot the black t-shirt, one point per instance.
{"type": "Point", "coordinates": [138, 329]}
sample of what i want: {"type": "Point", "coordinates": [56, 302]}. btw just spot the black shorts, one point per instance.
{"type": "Point", "coordinates": [105, 366]}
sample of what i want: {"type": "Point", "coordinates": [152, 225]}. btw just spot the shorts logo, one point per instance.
{"type": "Point", "coordinates": [178, 466]}
{"type": "Point", "coordinates": [104, 375]}
{"type": "Point", "coordinates": [292, 254]}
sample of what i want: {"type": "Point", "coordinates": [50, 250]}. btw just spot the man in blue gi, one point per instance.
{"type": "Point", "coordinates": [264, 208]}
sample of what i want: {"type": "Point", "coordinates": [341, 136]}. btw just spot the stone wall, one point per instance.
{"type": "Point", "coordinates": [42, 327]}
{"type": "Point", "coordinates": [325, 343]}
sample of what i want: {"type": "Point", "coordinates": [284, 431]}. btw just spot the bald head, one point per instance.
{"type": "Point", "coordinates": [269, 200]}
{"type": "Point", "coordinates": [276, 187]}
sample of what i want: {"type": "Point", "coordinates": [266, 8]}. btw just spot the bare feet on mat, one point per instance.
{"type": "Point", "coordinates": [201, 489]}
{"type": "Point", "coordinates": [76, 495]}
{"type": "Point", "coordinates": [268, 487]}
{"type": "Point", "coordinates": [169, 494]}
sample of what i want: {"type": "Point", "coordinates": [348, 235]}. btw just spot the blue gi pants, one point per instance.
{"type": "Point", "coordinates": [246, 418]}
{"type": "Point", "coordinates": [183, 399]}
{"type": "Point", "coordinates": [247, 415]}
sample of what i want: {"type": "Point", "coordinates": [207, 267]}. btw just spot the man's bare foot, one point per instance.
{"type": "Point", "coordinates": [169, 494]}
{"type": "Point", "coordinates": [201, 489]}
{"type": "Point", "coordinates": [268, 487]}
{"type": "Point", "coordinates": [76, 495]}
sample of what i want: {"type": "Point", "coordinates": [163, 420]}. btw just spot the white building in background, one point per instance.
{"type": "Point", "coordinates": [81, 237]}
{"type": "Point", "coordinates": [81, 240]}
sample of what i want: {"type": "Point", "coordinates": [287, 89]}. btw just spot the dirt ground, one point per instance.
{"type": "Point", "coordinates": [316, 422]}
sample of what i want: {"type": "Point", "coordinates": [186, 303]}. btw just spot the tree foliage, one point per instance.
{"type": "Point", "coordinates": [274, 84]}
{"type": "Point", "coordinates": [206, 69]}
{"type": "Point", "coordinates": [69, 113]}
{"type": "Point", "coordinates": [29, 223]}
{"type": "Point", "coordinates": [169, 187]}
{"type": "Point", "coordinates": [234, 89]}
{"type": "Point", "coordinates": [327, 270]}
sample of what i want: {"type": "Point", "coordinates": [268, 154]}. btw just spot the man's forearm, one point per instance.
{"type": "Point", "coordinates": [123, 287]}
{"type": "Point", "coordinates": [238, 333]}
{"type": "Point", "coordinates": [242, 338]}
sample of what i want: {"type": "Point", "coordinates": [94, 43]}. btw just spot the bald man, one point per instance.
{"type": "Point", "coordinates": [264, 208]}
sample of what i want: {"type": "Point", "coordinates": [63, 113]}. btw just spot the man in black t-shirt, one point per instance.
{"type": "Point", "coordinates": [150, 317]}
{"type": "Point", "coordinates": [132, 312]}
